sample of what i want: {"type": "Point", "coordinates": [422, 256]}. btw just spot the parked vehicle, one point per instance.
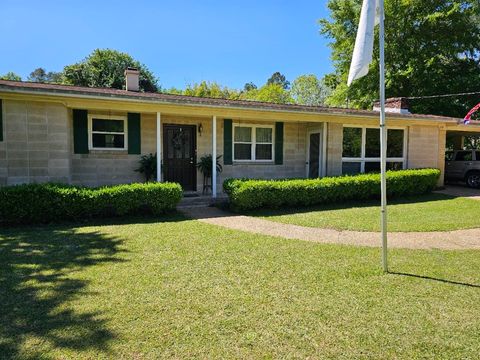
{"type": "Point", "coordinates": [463, 165]}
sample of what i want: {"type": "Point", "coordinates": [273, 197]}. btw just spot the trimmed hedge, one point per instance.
{"type": "Point", "coordinates": [43, 203]}
{"type": "Point", "coordinates": [247, 194]}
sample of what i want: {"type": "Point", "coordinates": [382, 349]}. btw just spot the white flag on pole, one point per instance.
{"type": "Point", "coordinates": [363, 51]}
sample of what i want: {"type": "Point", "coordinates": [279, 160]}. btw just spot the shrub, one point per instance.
{"type": "Point", "coordinates": [43, 203]}
{"type": "Point", "coordinates": [246, 194]}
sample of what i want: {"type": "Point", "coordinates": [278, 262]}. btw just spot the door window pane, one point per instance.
{"type": "Point", "coordinates": [243, 134]}
{"type": "Point", "coordinates": [372, 143]}
{"type": "Point", "coordinates": [243, 152]}
{"type": "Point", "coordinates": [395, 143]}
{"type": "Point", "coordinates": [351, 168]}
{"type": "Point", "coordinates": [352, 142]}
{"type": "Point", "coordinates": [263, 152]}
{"type": "Point", "coordinates": [263, 135]}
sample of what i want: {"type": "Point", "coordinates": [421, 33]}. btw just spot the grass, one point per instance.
{"type": "Point", "coordinates": [184, 289]}
{"type": "Point", "coordinates": [433, 212]}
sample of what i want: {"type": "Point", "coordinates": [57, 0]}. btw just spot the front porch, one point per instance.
{"type": "Point", "coordinates": [246, 148]}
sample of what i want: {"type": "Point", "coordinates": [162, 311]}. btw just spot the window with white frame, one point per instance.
{"type": "Point", "coordinates": [107, 133]}
{"type": "Point", "coordinates": [252, 142]}
{"type": "Point", "coordinates": [361, 149]}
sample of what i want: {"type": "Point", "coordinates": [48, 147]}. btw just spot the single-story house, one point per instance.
{"type": "Point", "coordinates": [95, 136]}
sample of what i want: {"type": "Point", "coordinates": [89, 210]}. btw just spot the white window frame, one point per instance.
{"type": "Point", "coordinates": [107, 117]}
{"type": "Point", "coordinates": [363, 159]}
{"type": "Point", "coordinates": [253, 143]}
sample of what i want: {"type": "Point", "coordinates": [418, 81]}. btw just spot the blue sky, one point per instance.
{"type": "Point", "coordinates": [231, 42]}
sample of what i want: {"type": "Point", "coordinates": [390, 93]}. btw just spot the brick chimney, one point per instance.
{"type": "Point", "coordinates": [132, 79]}
{"type": "Point", "coordinates": [397, 105]}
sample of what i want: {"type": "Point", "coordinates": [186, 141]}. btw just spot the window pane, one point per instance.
{"type": "Point", "coordinates": [107, 125]}
{"type": "Point", "coordinates": [477, 154]}
{"type": "Point", "coordinates": [350, 168]}
{"type": "Point", "coordinates": [372, 143]}
{"type": "Point", "coordinates": [108, 141]}
{"type": "Point", "coordinates": [243, 152]}
{"type": "Point", "coordinates": [463, 156]}
{"type": "Point", "coordinates": [263, 135]}
{"type": "Point", "coordinates": [398, 165]}
{"type": "Point", "coordinates": [372, 166]}
{"type": "Point", "coordinates": [449, 156]}
{"type": "Point", "coordinates": [352, 142]}
{"type": "Point", "coordinates": [395, 143]}
{"type": "Point", "coordinates": [263, 152]}
{"type": "Point", "coordinates": [243, 134]}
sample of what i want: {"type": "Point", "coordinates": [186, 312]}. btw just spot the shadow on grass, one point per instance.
{"type": "Point", "coordinates": [434, 279]}
{"type": "Point", "coordinates": [120, 220]}
{"type": "Point", "coordinates": [36, 284]}
{"type": "Point", "coordinates": [347, 205]}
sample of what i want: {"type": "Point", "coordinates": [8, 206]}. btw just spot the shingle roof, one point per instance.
{"type": "Point", "coordinates": [109, 93]}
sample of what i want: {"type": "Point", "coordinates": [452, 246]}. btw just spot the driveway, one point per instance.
{"type": "Point", "coordinates": [460, 191]}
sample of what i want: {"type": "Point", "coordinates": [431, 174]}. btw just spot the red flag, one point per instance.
{"type": "Point", "coordinates": [468, 117]}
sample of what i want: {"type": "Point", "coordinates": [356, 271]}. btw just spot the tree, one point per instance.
{"type": "Point", "coordinates": [11, 76]}
{"type": "Point", "coordinates": [211, 90]}
{"type": "Point", "coordinates": [431, 47]}
{"type": "Point", "coordinates": [42, 76]}
{"type": "Point", "coordinates": [38, 75]}
{"type": "Point", "coordinates": [309, 90]}
{"type": "Point", "coordinates": [279, 79]}
{"type": "Point", "coordinates": [105, 68]}
{"type": "Point", "coordinates": [249, 86]}
{"type": "Point", "coordinates": [273, 93]}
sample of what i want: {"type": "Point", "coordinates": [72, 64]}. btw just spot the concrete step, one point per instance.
{"type": "Point", "coordinates": [199, 201]}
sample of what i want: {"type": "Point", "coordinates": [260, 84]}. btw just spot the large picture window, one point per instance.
{"type": "Point", "coordinates": [361, 149]}
{"type": "Point", "coordinates": [252, 143]}
{"type": "Point", "coordinates": [107, 133]}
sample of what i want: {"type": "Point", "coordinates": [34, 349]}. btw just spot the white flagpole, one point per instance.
{"type": "Point", "coordinates": [383, 138]}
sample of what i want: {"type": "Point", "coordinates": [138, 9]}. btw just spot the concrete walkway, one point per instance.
{"type": "Point", "coordinates": [449, 240]}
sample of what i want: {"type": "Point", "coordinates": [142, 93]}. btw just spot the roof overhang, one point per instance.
{"type": "Point", "coordinates": [189, 106]}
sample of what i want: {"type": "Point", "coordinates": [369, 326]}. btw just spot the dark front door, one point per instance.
{"type": "Point", "coordinates": [314, 156]}
{"type": "Point", "coordinates": [179, 155]}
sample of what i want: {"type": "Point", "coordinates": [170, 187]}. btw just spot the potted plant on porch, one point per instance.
{"type": "Point", "coordinates": [148, 167]}
{"type": "Point", "coordinates": [205, 167]}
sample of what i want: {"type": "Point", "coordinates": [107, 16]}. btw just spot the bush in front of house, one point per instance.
{"type": "Point", "coordinates": [44, 203]}
{"type": "Point", "coordinates": [248, 194]}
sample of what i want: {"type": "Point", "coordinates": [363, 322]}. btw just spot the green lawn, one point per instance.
{"type": "Point", "coordinates": [433, 212]}
{"type": "Point", "coordinates": [183, 289]}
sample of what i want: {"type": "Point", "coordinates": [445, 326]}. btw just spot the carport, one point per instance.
{"type": "Point", "coordinates": [463, 139]}
{"type": "Point", "coordinates": [463, 164]}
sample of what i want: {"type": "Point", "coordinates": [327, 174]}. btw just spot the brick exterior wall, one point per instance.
{"type": "Point", "coordinates": [294, 156]}
{"type": "Point", "coordinates": [426, 148]}
{"type": "Point", "coordinates": [36, 146]}
{"type": "Point", "coordinates": [334, 149]}
{"type": "Point", "coordinates": [109, 167]}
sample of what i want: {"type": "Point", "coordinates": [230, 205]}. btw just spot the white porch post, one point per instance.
{"type": "Point", "coordinates": [159, 147]}
{"type": "Point", "coordinates": [214, 157]}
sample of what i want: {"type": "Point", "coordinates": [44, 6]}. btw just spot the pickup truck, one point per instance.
{"type": "Point", "coordinates": [463, 165]}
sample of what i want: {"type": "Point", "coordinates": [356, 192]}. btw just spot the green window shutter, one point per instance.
{"type": "Point", "coordinates": [278, 143]}
{"type": "Point", "coordinates": [80, 131]}
{"type": "Point", "coordinates": [1, 120]}
{"type": "Point", "coordinates": [134, 137]}
{"type": "Point", "coordinates": [227, 142]}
